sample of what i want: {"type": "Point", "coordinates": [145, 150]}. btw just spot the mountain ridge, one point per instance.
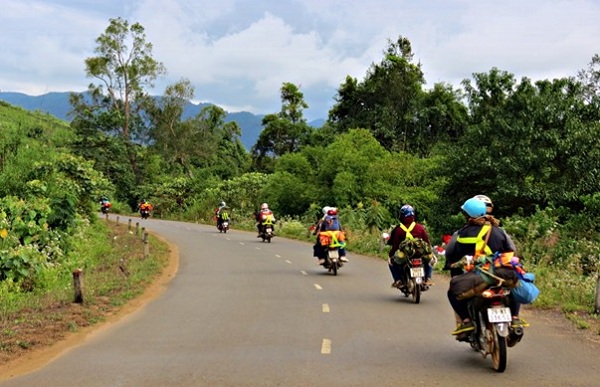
{"type": "Point", "coordinates": [57, 104]}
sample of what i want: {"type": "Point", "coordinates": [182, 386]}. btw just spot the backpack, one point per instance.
{"type": "Point", "coordinates": [415, 248]}
{"type": "Point", "coordinates": [412, 247]}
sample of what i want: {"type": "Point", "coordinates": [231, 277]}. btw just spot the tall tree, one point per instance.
{"type": "Point", "coordinates": [283, 132]}
{"type": "Point", "coordinates": [125, 67]}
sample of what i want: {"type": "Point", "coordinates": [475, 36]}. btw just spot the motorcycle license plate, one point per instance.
{"type": "Point", "coordinates": [417, 272]}
{"type": "Point", "coordinates": [225, 224]}
{"type": "Point", "coordinates": [499, 315]}
{"type": "Point", "coordinates": [333, 254]}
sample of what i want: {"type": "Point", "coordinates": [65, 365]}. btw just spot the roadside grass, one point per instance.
{"type": "Point", "coordinates": [115, 270]}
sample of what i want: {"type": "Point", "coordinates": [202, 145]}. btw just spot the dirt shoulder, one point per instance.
{"type": "Point", "coordinates": [44, 334]}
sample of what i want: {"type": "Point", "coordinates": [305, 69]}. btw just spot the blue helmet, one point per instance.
{"type": "Point", "coordinates": [406, 211]}
{"type": "Point", "coordinates": [474, 208]}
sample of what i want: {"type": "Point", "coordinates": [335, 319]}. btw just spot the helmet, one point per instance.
{"type": "Point", "coordinates": [222, 204]}
{"type": "Point", "coordinates": [332, 211]}
{"type": "Point", "coordinates": [406, 211]}
{"type": "Point", "coordinates": [143, 200]}
{"type": "Point", "coordinates": [326, 210]}
{"type": "Point", "coordinates": [474, 208]}
{"type": "Point", "coordinates": [264, 206]}
{"type": "Point", "coordinates": [488, 202]}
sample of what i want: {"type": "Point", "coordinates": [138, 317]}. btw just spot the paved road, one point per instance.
{"type": "Point", "coordinates": [245, 313]}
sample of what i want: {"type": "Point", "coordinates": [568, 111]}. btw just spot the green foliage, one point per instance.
{"type": "Point", "coordinates": [539, 140]}
{"type": "Point", "coordinates": [285, 132]}
{"type": "Point", "coordinates": [27, 243]}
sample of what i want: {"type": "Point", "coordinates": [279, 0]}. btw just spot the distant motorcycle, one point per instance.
{"type": "Point", "coordinates": [266, 232]}
{"type": "Point", "coordinates": [145, 214]}
{"type": "Point", "coordinates": [223, 221]}
{"type": "Point", "coordinates": [413, 278]}
{"type": "Point", "coordinates": [105, 208]}
{"type": "Point", "coordinates": [331, 243]}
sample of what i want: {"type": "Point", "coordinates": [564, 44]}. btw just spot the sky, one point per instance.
{"type": "Point", "coordinates": [238, 53]}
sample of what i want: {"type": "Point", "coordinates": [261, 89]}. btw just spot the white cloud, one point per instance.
{"type": "Point", "coordinates": [238, 53]}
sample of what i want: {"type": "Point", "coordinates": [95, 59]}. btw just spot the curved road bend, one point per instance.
{"type": "Point", "coordinates": [245, 313]}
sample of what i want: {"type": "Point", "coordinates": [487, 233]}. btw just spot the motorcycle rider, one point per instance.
{"type": "Point", "coordinates": [105, 204]}
{"type": "Point", "coordinates": [263, 216]}
{"type": "Point", "coordinates": [480, 236]}
{"type": "Point", "coordinates": [329, 222]}
{"type": "Point", "coordinates": [144, 206]}
{"type": "Point", "coordinates": [407, 228]}
{"type": "Point", "coordinates": [219, 214]}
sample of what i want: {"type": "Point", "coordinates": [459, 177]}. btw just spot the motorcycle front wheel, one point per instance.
{"type": "Point", "coordinates": [497, 347]}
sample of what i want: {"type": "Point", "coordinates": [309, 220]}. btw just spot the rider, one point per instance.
{"type": "Point", "coordinates": [480, 236]}
{"type": "Point", "coordinates": [262, 217]}
{"type": "Point", "coordinates": [410, 229]}
{"type": "Point", "coordinates": [105, 203]}
{"type": "Point", "coordinates": [329, 222]}
{"type": "Point", "coordinates": [145, 205]}
{"type": "Point", "coordinates": [219, 214]}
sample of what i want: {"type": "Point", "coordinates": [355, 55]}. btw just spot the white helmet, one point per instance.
{"type": "Point", "coordinates": [488, 202]}
{"type": "Point", "coordinates": [326, 209]}
{"type": "Point", "coordinates": [223, 204]}
{"type": "Point", "coordinates": [264, 206]}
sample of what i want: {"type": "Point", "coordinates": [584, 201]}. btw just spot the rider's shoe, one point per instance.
{"type": "Point", "coordinates": [321, 261]}
{"type": "Point", "coordinates": [343, 259]}
{"type": "Point", "coordinates": [396, 284]}
{"type": "Point", "coordinates": [463, 328]}
{"type": "Point", "coordinates": [428, 282]}
{"type": "Point", "coordinates": [519, 323]}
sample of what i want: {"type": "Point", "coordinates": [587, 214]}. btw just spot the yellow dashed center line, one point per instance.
{"type": "Point", "coordinates": [318, 287]}
{"type": "Point", "coordinates": [303, 272]}
{"type": "Point", "coordinates": [326, 347]}
{"type": "Point", "coordinates": [325, 308]}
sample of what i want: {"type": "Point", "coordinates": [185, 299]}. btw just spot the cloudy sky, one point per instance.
{"type": "Point", "coordinates": [238, 53]}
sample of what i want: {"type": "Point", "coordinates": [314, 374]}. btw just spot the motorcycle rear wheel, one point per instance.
{"type": "Point", "coordinates": [497, 347]}
{"type": "Point", "coordinates": [416, 293]}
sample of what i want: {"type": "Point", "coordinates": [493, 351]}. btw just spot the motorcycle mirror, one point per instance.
{"type": "Point", "coordinates": [385, 236]}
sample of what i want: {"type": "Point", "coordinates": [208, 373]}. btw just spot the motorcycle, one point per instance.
{"type": "Point", "coordinates": [493, 333]}
{"type": "Point", "coordinates": [104, 209]}
{"type": "Point", "coordinates": [331, 243]}
{"type": "Point", "coordinates": [145, 214]}
{"type": "Point", "coordinates": [223, 225]}
{"type": "Point", "coordinates": [413, 278]}
{"type": "Point", "coordinates": [266, 232]}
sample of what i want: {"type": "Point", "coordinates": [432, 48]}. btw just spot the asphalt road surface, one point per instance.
{"type": "Point", "coordinates": [241, 312]}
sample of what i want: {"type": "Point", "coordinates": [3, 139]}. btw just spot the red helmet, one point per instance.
{"type": "Point", "coordinates": [332, 211]}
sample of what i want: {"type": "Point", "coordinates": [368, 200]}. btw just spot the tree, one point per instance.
{"type": "Point", "coordinates": [527, 144]}
{"type": "Point", "coordinates": [124, 71]}
{"type": "Point", "coordinates": [283, 132]}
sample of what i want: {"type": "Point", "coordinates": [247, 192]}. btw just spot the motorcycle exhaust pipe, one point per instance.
{"type": "Point", "coordinates": [518, 331]}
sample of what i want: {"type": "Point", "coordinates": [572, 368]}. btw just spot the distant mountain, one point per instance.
{"type": "Point", "coordinates": [57, 104]}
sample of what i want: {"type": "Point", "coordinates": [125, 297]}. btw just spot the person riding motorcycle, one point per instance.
{"type": "Point", "coordinates": [407, 228]}
{"type": "Point", "coordinates": [220, 214]}
{"type": "Point", "coordinates": [105, 204]}
{"type": "Point", "coordinates": [265, 215]}
{"type": "Point", "coordinates": [480, 237]}
{"type": "Point", "coordinates": [329, 222]}
{"type": "Point", "coordinates": [144, 206]}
